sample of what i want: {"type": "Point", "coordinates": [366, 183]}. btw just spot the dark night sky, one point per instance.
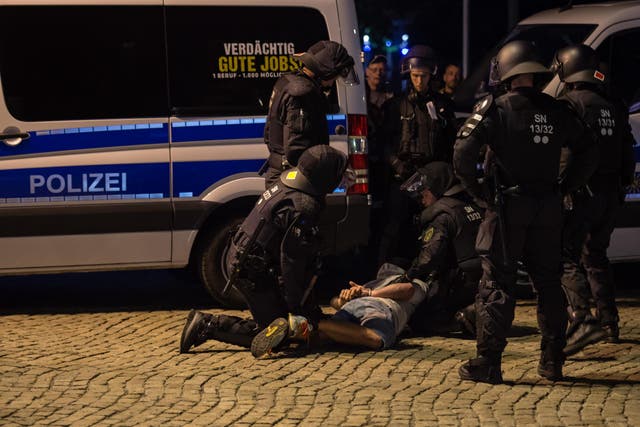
{"type": "Point", "coordinates": [438, 23]}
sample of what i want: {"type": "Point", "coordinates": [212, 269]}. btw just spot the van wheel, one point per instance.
{"type": "Point", "coordinates": [210, 265]}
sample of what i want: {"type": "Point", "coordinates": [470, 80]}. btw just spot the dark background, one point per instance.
{"type": "Point", "coordinates": [438, 23]}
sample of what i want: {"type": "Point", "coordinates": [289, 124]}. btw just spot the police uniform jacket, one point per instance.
{"type": "Point", "coordinates": [527, 130]}
{"type": "Point", "coordinates": [424, 133]}
{"type": "Point", "coordinates": [610, 124]}
{"type": "Point", "coordinates": [286, 245]}
{"type": "Point", "coordinates": [297, 118]}
{"type": "Point", "coordinates": [449, 229]}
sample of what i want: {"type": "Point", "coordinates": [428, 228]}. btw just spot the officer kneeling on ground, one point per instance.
{"type": "Point", "coordinates": [526, 132]}
{"type": "Point", "coordinates": [444, 275]}
{"type": "Point", "coordinates": [298, 107]}
{"type": "Point", "coordinates": [271, 259]}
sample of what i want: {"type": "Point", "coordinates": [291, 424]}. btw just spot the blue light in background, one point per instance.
{"type": "Point", "coordinates": [387, 43]}
{"type": "Point", "coordinates": [404, 51]}
{"type": "Point", "coordinates": [405, 37]}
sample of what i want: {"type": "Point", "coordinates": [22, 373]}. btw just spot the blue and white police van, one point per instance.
{"type": "Point", "coordinates": [131, 132]}
{"type": "Point", "coordinates": [613, 30]}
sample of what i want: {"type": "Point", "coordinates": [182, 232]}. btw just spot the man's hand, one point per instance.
{"type": "Point", "coordinates": [355, 291]}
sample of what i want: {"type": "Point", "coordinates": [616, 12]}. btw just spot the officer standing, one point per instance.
{"type": "Point", "coordinates": [526, 132]}
{"type": "Point", "coordinates": [422, 131]}
{"type": "Point", "coordinates": [447, 259]}
{"type": "Point", "coordinates": [270, 259]}
{"type": "Point", "coordinates": [298, 105]}
{"type": "Point", "coordinates": [590, 222]}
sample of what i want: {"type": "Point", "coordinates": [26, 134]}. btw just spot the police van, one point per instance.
{"type": "Point", "coordinates": [613, 30]}
{"type": "Point", "coordinates": [132, 130]}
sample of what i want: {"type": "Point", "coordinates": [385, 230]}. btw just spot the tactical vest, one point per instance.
{"type": "Point", "coordinates": [267, 245]}
{"type": "Point", "coordinates": [531, 131]}
{"type": "Point", "coordinates": [467, 218]}
{"type": "Point", "coordinates": [423, 138]}
{"type": "Point", "coordinates": [601, 116]}
{"type": "Point", "coordinates": [315, 126]}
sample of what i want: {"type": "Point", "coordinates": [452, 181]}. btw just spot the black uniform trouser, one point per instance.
{"type": "Point", "coordinates": [586, 237]}
{"type": "Point", "coordinates": [448, 293]}
{"type": "Point", "coordinates": [265, 303]}
{"type": "Point", "coordinates": [399, 237]}
{"type": "Point", "coordinates": [532, 233]}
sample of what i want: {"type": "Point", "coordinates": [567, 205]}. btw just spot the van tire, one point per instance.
{"type": "Point", "coordinates": [210, 264]}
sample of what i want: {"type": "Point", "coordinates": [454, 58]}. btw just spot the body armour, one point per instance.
{"type": "Point", "coordinates": [530, 131]}
{"type": "Point", "coordinates": [427, 129]}
{"type": "Point", "coordinates": [281, 208]}
{"type": "Point", "coordinates": [467, 218]}
{"type": "Point", "coordinates": [608, 124]}
{"type": "Point", "coordinates": [297, 119]}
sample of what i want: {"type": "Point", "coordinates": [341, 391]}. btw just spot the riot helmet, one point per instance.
{"type": "Point", "coordinates": [437, 177]}
{"type": "Point", "coordinates": [577, 63]}
{"type": "Point", "coordinates": [419, 57]}
{"type": "Point", "coordinates": [327, 60]}
{"type": "Point", "coordinates": [515, 58]}
{"type": "Point", "coordinates": [320, 170]}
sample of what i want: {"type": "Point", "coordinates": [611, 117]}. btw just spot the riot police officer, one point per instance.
{"type": "Point", "coordinates": [270, 259]}
{"type": "Point", "coordinates": [526, 132]}
{"type": "Point", "coordinates": [422, 131]}
{"type": "Point", "coordinates": [447, 259]}
{"type": "Point", "coordinates": [298, 105]}
{"type": "Point", "coordinates": [593, 206]}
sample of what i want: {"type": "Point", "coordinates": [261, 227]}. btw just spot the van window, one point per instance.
{"type": "Point", "coordinates": [547, 38]}
{"type": "Point", "coordinates": [83, 62]}
{"type": "Point", "coordinates": [621, 52]}
{"type": "Point", "coordinates": [223, 61]}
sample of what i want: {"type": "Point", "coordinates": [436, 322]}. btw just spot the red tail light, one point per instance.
{"type": "Point", "coordinates": [357, 142]}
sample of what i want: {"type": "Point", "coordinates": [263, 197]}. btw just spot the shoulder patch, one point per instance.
{"type": "Point", "coordinates": [477, 114]}
{"type": "Point", "coordinates": [427, 235]}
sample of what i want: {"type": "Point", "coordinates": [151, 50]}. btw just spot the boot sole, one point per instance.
{"type": "Point", "coordinates": [186, 340]}
{"type": "Point", "coordinates": [269, 338]}
{"type": "Point", "coordinates": [593, 338]}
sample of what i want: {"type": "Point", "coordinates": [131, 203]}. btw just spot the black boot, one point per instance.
{"type": "Point", "coordinates": [611, 332]}
{"type": "Point", "coordinates": [482, 369]}
{"type": "Point", "coordinates": [550, 365]}
{"type": "Point", "coordinates": [585, 333]}
{"type": "Point", "coordinates": [194, 332]}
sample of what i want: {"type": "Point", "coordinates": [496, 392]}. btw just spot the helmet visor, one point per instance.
{"type": "Point", "coordinates": [348, 76]}
{"type": "Point", "coordinates": [415, 184]}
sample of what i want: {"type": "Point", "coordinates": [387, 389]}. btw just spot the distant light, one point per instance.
{"type": "Point", "coordinates": [387, 43]}
{"type": "Point", "coordinates": [404, 51]}
{"type": "Point", "coordinates": [405, 37]}
{"type": "Point", "coordinates": [365, 38]}
{"type": "Point", "coordinates": [367, 48]}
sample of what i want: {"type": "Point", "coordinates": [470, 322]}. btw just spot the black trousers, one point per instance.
{"type": "Point", "coordinates": [586, 237]}
{"type": "Point", "coordinates": [400, 234]}
{"type": "Point", "coordinates": [450, 292]}
{"type": "Point", "coordinates": [532, 234]}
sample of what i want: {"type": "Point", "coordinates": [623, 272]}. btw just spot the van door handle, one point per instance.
{"type": "Point", "coordinates": [12, 136]}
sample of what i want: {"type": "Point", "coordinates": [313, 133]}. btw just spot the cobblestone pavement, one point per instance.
{"type": "Point", "coordinates": [123, 368]}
